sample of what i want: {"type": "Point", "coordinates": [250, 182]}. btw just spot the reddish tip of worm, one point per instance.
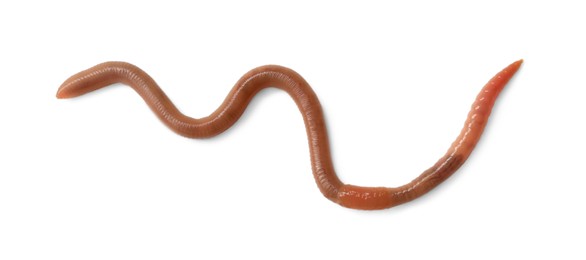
{"type": "Point", "coordinates": [512, 68]}
{"type": "Point", "coordinates": [517, 64]}
{"type": "Point", "coordinates": [67, 90]}
{"type": "Point", "coordinates": [61, 94]}
{"type": "Point", "coordinates": [498, 82]}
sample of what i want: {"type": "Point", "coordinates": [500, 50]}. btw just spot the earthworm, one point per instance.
{"type": "Point", "coordinates": [351, 196]}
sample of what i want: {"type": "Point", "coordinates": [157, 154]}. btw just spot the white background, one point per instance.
{"type": "Point", "coordinates": [99, 177]}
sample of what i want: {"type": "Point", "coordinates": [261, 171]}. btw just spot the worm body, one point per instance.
{"type": "Point", "coordinates": [251, 83]}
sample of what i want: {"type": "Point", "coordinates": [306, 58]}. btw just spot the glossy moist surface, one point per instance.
{"type": "Point", "coordinates": [289, 81]}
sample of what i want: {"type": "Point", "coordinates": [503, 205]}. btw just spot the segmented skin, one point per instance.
{"type": "Point", "coordinates": [357, 197]}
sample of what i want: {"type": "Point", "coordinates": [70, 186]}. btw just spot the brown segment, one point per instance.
{"type": "Point", "coordinates": [288, 80]}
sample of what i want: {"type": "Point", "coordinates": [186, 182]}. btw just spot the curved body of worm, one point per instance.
{"type": "Point", "coordinates": [288, 80]}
